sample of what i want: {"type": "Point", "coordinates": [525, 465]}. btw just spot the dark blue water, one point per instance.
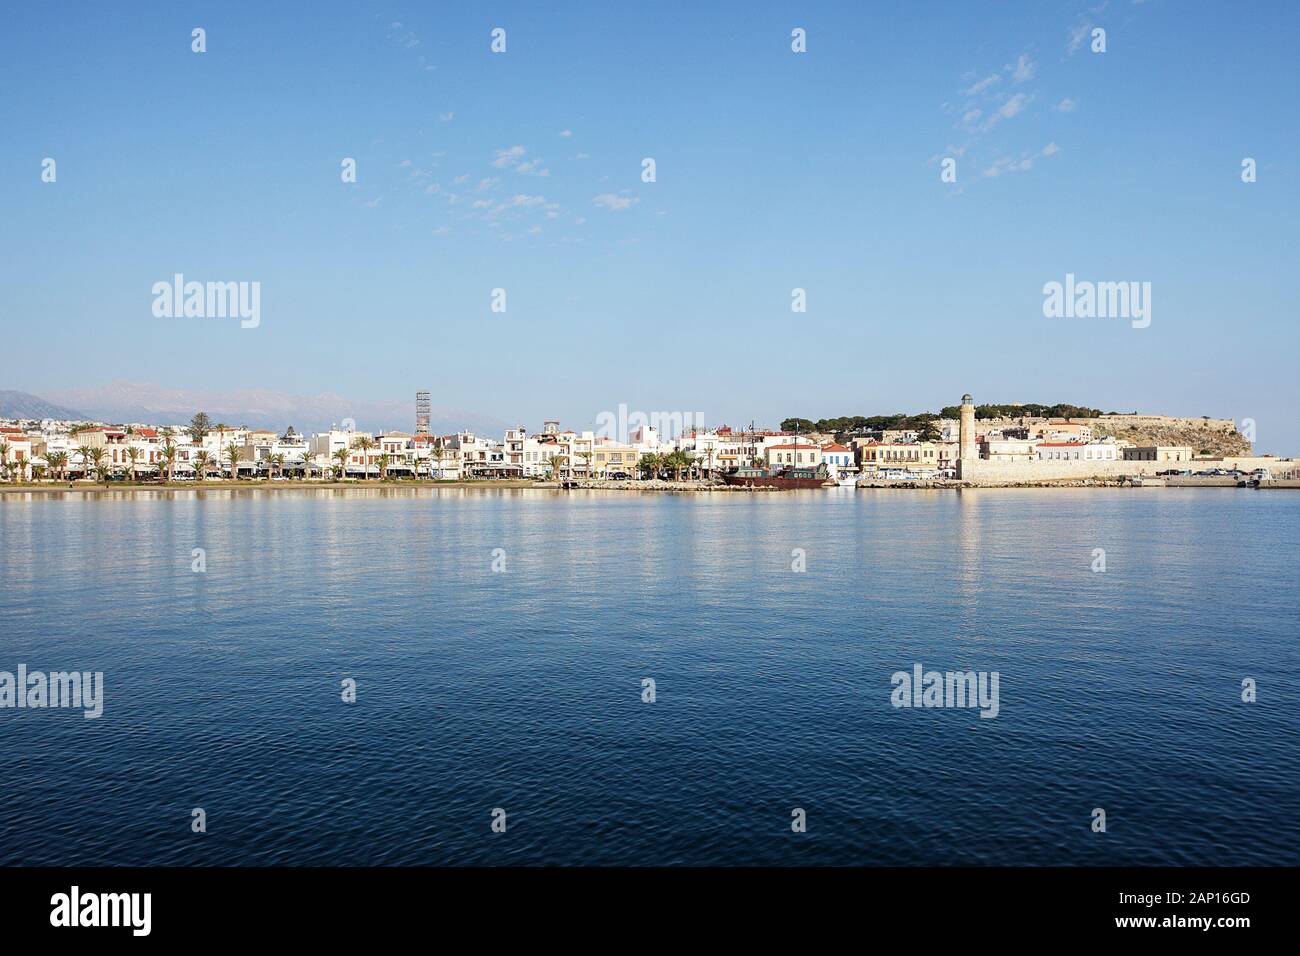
{"type": "Point", "coordinates": [522, 689]}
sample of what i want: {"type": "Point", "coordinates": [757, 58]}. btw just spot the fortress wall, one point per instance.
{"type": "Point", "coordinates": [981, 471]}
{"type": "Point", "coordinates": [1118, 422]}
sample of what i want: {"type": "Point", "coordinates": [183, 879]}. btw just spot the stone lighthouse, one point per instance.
{"type": "Point", "coordinates": [966, 437]}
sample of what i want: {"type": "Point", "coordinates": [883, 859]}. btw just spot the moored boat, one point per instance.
{"type": "Point", "coordinates": [818, 477]}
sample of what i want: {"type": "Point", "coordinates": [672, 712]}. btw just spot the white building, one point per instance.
{"type": "Point", "coordinates": [1076, 451]}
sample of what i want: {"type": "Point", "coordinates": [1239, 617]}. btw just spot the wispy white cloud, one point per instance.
{"type": "Point", "coordinates": [508, 156]}
{"type": "Point", "coordinates": [1023, 71]}
{"type": "Point", "coordinates": [566, 133]}
{"type": "Point", "coordinates": [1005, 164]}
{"type": "Point", "coordinates": [1078, 35]}
{"type": "Point", "coordinates": [1011, 108]}
{"type": "Point", "coordinates": [1008, 165]}
{"type": "Point", "coordinates": [978, 88]}
{"type": "Point", "coordinates": [402, 36]}
{"type": "Point", "coordinates": [533, 167]}
{"type": "Point", "coordinates": [614, 202]}
{"type": "Point", "coordinates": [1066, 105]}
{"type": "Point", "coordinates": [446, 117]}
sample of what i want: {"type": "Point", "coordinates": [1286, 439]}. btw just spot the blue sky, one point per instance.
{"type": "Point", "coordinates": [775, 170]}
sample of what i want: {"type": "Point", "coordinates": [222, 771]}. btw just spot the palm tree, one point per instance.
{"type": "Point", "coordinates": [232, 456]}
{"type": "Point", "coordinates": [202, 462]}
{"type": "Point", "coordinates": [132, 454]}
{"type": "Point", "coordinates": [342, 455]}
{"type": "Point", "coordinates": [677, 460]}
{"type": "Point", "coordinates": [383, 460]}
{"type": "Point", "coordinates": [556, 462]}
{"type": "Point", "coordinates": [438, 454]}
{"type": "Point", "coordinates": [652, 463]}
{"type": "Point", "coordinates": [277, 464]}
{"type": "Point", "coordinates": [57, 460]}
{"type": "Point", "coordinates": [167, 458]}
{"type": "Point", "coordinates": [363, 444]}
{"type": "Point", "coordinates": [84, 452]}
{"type": "Point", "coordinates": [97, 461]}
{"type": "Point", "coordinates": [4, 457]}
{"type": "Point", "coordinates": [586, 457]}
{"type": "Point", "coordinates": [38, 472]}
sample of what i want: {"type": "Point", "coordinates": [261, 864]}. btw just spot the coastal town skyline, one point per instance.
{"type": "Point", "coordinates": [778, 175]}
{"type": "Point", "coordinates": [961, 445]}
{"type": "Point", "coordinates": [404, 416]}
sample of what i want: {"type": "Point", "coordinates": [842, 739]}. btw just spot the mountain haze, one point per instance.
{"type": "Point", "coordinates": [130, 402]}
{"type": "Point", "coordinates": [25, 405]}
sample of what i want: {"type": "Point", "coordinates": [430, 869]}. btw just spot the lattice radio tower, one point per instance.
{"type": "Point", "coordinates": [423, 410]}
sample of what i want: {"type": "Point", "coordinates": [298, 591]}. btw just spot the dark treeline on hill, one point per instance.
{"type": "Point", "coordinates": [859, 423]}
{"type": "Point", "coordinates": [899, 421]}
{"type": "Point", "coordinates": [1060, 410]}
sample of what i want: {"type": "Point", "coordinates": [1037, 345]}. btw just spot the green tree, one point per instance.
{"type": "Point", "coordinates": [58, 462]}
{"type": "Point", "coordinates": [84, 452]}
{"type": "Point", "coordinates": [97, 462]}
{"type": "Point", "coordinates": [556, 462]}
{"type": "Point", "coordinates": [232, 457]}
{"type": "Point", "coordinates": [676, 461]}
{"type": "Point", "coordinates": [200, 425]}
{"type": "Point", "coordinates": [363, 444]}
{"type": "Point", "coordinates": [167, 454]}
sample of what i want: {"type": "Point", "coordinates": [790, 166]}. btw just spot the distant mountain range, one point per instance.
{"type": "Point", "coordinates": [130, 402]}
{"type": "Point", "coordinates": [23, 405]}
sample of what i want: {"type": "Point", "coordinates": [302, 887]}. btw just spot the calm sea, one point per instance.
{"type": "Point", "coordinates": [521, 688]}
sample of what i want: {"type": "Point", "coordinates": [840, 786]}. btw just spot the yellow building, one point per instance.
{"type": "Point", "coordinates": [912, 456]}
{"type": "Point", "coordinates": [609, 458]}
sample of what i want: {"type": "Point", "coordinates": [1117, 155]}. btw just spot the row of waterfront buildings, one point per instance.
{"type": "Point", "coordinates": [73, 450]}
{"type": "Point", "coordinates": [79, 450]}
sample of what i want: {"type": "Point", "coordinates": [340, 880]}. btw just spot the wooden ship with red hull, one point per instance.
{"type": "Point", "coordinates": [819, 477]}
